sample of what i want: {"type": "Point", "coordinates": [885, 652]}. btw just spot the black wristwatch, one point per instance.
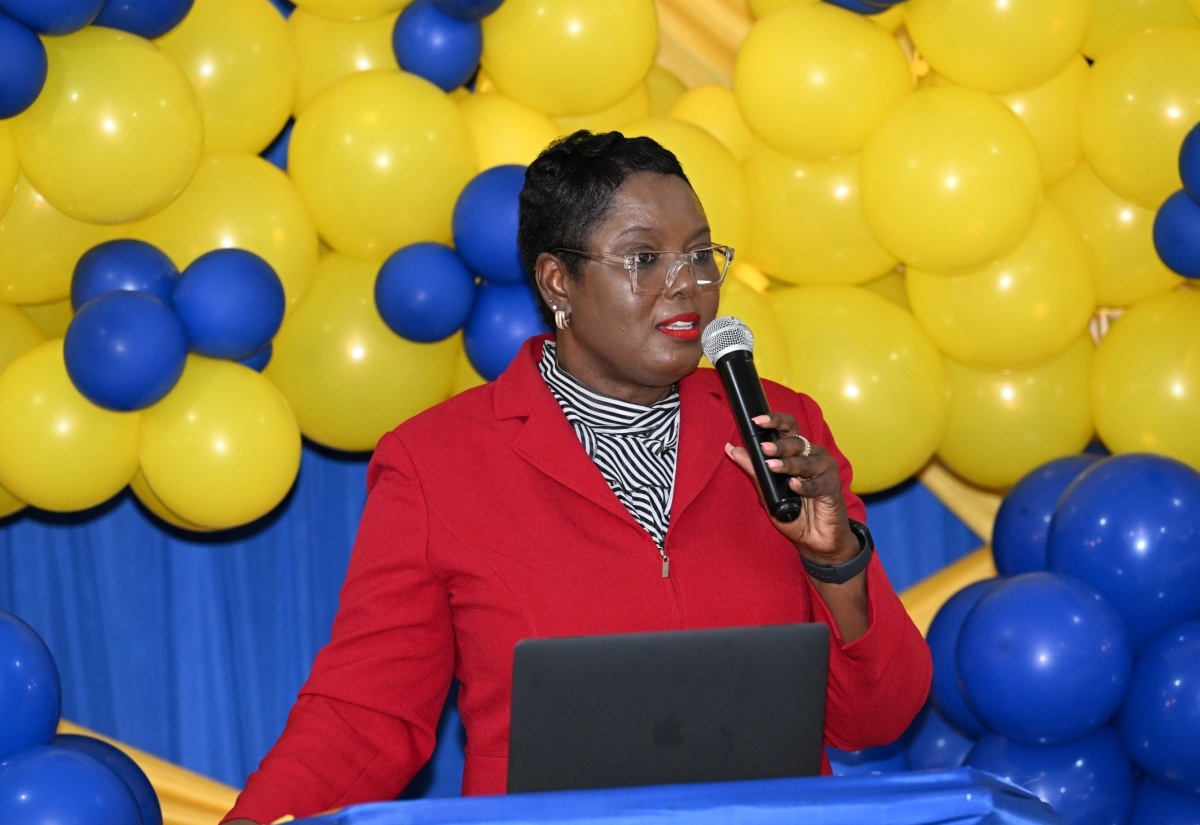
{"type": "Point", "coordinates": [842, 573]}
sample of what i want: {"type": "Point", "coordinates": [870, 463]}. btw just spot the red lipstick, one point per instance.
{"type": "Point", "coordinates": [682, 327]}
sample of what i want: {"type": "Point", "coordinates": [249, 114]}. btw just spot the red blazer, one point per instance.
{"type": "Point", "coordinates": [487, 523]}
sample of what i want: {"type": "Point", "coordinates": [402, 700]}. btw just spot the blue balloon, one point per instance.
{"type": "Point", "coordinates": [424, 292]}
{"type": "Point", "coordinates": [259, 360]}
{"type": "Point", "coordinates": [117, 761]}
{"type": "Point", "coordinates": [946, 693]}
{"type": "Point", "coordinates": [146, 18]}
{"type": "Point", "coordinates": [231, 303]}
{"type": "Point", "coordinates": [1155, 805]}
{"type": "Point", "coordinates": [22, 67]}
{"type": "Point", "coordinates": [1023, 521]}
{"type": "Point", "coordinates": [1089, 781]}
{"type": "Point", "coordinates": [50, 785]}
{"type": "Point", "coordinates": [285, 7]}
{"type": "Point", "coordinates": [1189, 163]}
{"type": "Point", "coordinates": [430, 44]}
{"type": "Point", "coordinates": [123, 264]}
{"type": "Point", "coordinates": [884, 759]}
{"type": "Point", "coordinates": [277, 151]}
{"type": "Point", "coordinates": [1177, 234]}
{"type": "Point", "coordinates": [1043, 658]}
{"type": "Point", "coordinates": [504, 316]}
{"type": "Point", "coordinates": [933, 743]}
{"type": "Point", "coordinates": [53, 16]}
{"type": "Point", "coordinates": [467, 9]}
{"type": "Point", "coordinates": [1129, 526]}
{"type": "Point", "coordinates": [1160, 720]}
{"type": "Point", "coordinates": [30, 691]}
{"type": "Point", "coordinates": [125, 350]}
{"type": "Point", "coordinates": [485, 224]}
{"type": "Point", "coordinates": [864, 6]}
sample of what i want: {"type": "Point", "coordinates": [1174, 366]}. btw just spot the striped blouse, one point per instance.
{"type": "Point", "coordinates": [633, 446]}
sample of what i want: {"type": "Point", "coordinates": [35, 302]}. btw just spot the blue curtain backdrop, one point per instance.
{"type": "Point", "coordinates": [192, 646]}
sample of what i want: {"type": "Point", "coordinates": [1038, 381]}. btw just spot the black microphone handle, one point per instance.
{"type": "Point", "coordinates": [748, 400]}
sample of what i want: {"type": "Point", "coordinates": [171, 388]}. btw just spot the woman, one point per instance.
{"type": "Point", "coordinates": [592, 488]}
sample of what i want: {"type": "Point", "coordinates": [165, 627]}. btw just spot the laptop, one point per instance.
{"type": "Point", "coordinates": [668, 707]}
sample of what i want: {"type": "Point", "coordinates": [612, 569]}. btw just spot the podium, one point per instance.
{"type": "Point", "coordinates": [963, 796]}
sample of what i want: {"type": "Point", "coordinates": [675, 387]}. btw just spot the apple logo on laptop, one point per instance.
{"type": "Point", "coordinates": [669, 732]}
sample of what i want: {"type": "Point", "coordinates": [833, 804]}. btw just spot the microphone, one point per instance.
{"type": "Point", "coordinates": [729, 345]}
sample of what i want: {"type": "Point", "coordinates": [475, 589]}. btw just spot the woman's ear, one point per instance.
{"type": "Point", "coordinates": [551, 277]}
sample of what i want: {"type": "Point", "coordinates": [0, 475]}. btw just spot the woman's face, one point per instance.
{"type": "Point", "coordinates": [634, 346]}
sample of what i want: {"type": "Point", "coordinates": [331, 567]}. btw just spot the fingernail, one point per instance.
{"type": "Point", "coordinates": [760, 420]}
{"type": "Point", "coordinates": [774, 463]}
{"type": "Point", "coordinates": [728, 449]}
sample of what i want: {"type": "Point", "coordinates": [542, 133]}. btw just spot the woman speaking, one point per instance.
{"type": "Point", "coordinates": [596, 486]}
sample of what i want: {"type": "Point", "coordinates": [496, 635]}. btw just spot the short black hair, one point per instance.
{"type": "Point", "coordinates": [570, 187]}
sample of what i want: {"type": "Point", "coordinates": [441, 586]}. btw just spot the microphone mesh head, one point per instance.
{"type": "Point", "coordinates": [726, 334]}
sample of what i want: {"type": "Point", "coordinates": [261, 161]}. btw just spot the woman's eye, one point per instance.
{"type": "Point", "coordinates": [702, 256]}
{"type": "Point", "coordinates": [645, 258]}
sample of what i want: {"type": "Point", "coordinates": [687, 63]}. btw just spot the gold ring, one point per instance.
{"type": "Point", "coordinates": [807, 446]}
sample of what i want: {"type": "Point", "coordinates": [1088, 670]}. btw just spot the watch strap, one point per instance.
{"type": "Point", "coordinates": [842, 573]}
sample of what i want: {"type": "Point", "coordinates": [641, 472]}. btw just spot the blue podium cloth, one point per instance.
{"type": "Point", "coordinates": [963, 796]}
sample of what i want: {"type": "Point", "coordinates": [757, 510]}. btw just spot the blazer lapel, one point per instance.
{"type": "Point", "coordinates": [705, 427]}
{"type": "Point", "coordinates": [546, 439]}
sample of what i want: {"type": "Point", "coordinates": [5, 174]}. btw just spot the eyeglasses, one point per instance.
{"type": "Point", "coordinates": [654, 271]}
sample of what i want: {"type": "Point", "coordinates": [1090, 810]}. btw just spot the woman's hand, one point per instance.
{"type": "Point", "coordinates": [821, 532]}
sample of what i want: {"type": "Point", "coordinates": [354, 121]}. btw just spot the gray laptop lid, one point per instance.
{"type": "Point", "coordinates": [668, 707]}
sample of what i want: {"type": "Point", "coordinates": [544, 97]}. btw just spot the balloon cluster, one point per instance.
{"type": "Point", "coordinates": [1076, 673]}
{"type": "Point", "coordinates": [934, 204]}
{"type": "Point", "coordinates": [46, 777]}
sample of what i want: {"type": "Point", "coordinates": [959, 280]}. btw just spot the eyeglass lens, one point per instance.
{"type": "Point", "coordinates": [708, 266]}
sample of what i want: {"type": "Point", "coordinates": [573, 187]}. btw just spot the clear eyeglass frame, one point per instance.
{"type": "Point", "coordinates": [653, 271]}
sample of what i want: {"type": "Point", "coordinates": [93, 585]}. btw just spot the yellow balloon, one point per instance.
{"type": "Point", "coordinates": [713, 172]}
{"type": "Point", "coordinates": [755, 310]}
{"type": "Point", "coordinates": [665, 88]}
{"type": "Point", "coordinates": [117, 131]}
{"type": "Point", "coordinates": [569, 57]}
{"type": "Point", "coordinates": [760, 8]}
{"type": "Point", "coordinates": [632, 107]}
{"type": "Point", "coordinates": [222, 449]}
{"type": "Point", "coordinates": [380, 158]}
{"type": "Point", "coordinates": [349, 378]}
{"type": "Point", "coordinates": [59, 451]}
{"type": "Point", "coordinates": [812, 80]}
{"type": "Point", "coordinates": [1146, 379]}
{"type": "Point", "coordinates": [1141, 99]}
{"type": "Point", "coordinates": [1114, 20]}
{"type": "Point", "coordinates": [1121, 235]}
{"type": "Point", "coordinates": [328, 50]}
{"type": "Point", "coordinates": [1018, 311]}
{"type": "Point", "coordinates": [892, 19]}
{"type": "Point", "coordinates": [505, 131]}
{"type": "Point", "coordinates": [1004, 424]}
{"type": "Point", "coordinates": [807, 224]}
{"type": "Point", "coordinates": [241, 201]}
{"type": "Point", "coordinates": [51, 318]}
{"type": "Point", "coordinates": [999, 45]}
{"type": "Point", "coordinates": [39, 247]}
{"type": "Point", "coordinates": [715, 110]}
{"type": "Point", "coordinates": [240, 59]}
{"type": "Point", "coordinates": [1051, 114]}
{"type": "Point", "coordinates": [9, 503]}
{"type": "Point", "coordinates": [18, 334]}
{"type": "Point", "coordinates": [950, 179]}
{"type": "Point", "coordinates": [9, 166]}
{"type": "Point", "coordinates": [878, 378]}
{"type": "Point", "coordinates": [351, 9]}
{"type": "Point", "coordinates": [143, 493]}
